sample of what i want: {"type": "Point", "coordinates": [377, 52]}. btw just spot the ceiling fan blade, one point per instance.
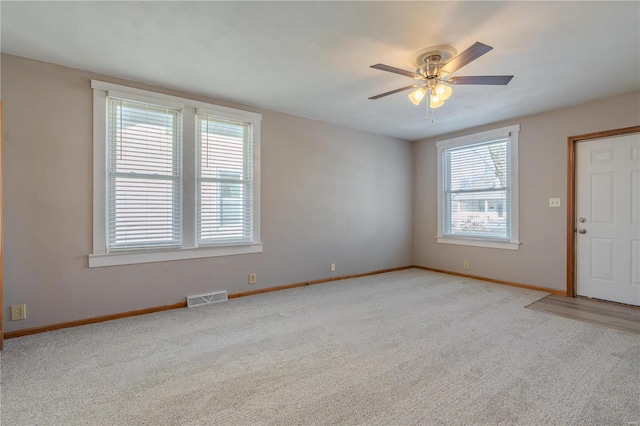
{"type": "Point", "coordinates": [471, 54]}
{"type": "Point", "coordinates": [394, 91]}
{"type": "Point", "coordinates": [496, 80]}
{"type": "Point", "coordinates": [395, 70]}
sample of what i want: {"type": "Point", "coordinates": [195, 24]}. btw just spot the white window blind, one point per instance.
{"type": "Point", "coordinates": [144, 185]}
{"type": "Point", "coordinates": [476, 192]}
{"type": "Point", "coordinates": [225, 181]}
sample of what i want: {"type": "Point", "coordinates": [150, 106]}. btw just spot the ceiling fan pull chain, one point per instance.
{"type": "Point", "coordinates": [433, 110]}
{"type": "Point", "coordinates": [428, 104]}
{"type": "Point", "coordinates": [428, 96]}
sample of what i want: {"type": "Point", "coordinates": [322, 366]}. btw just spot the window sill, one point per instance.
{"type": "Point", "coordinates": [149, 256]}
{"type": "Point", "coordinates": [506, 245]}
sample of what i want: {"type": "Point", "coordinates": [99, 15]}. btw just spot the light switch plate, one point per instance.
{"type": "Point", "coordinates": [554, 202]}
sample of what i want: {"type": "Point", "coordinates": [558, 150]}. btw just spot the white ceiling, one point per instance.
{"type": "Point", "coordinates": [312, 58]}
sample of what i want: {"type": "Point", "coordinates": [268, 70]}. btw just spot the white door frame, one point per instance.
{"type": "Point", "coordinates": [571, 197]}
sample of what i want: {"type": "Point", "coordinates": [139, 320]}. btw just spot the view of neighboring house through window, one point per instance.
{"type": "Point", "coordinates": [478, 188]}
{"type": "Point", "coordinates": [230, 201]}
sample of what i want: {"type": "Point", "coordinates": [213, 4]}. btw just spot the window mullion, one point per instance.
{"type": "Point", "coordinates": [468, 191]}
{"type": "Point", "coordinates": [146, 176]}
{"type": "Point", "coordinates": [189, 158]}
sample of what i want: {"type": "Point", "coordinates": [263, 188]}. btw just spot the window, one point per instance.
{"type": "Point", "coordinates": [173, 178]}
{"type": "Point", "coordinates": [224, 180]}
{"type": "Point", "coordinates": [145, 176]}
{"type": "Point", "coordinates": [478, 189]}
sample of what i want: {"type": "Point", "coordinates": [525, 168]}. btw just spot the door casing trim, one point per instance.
{"type": "Point", "coordinates": [572, 141]}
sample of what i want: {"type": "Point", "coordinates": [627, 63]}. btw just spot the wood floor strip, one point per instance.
{"type": "Point", "coordinates": [596, 308]}
{"type": "Point", "coordinates": [607, 314]}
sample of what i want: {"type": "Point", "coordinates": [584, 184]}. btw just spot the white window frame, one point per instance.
{"type": "Point", "coordinates": [189, 250]}
{"type": "Point", "coordinates": [510, 132]}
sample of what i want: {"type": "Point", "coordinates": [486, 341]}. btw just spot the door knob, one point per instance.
{"type": "Point", "coordinates": [582, 231]}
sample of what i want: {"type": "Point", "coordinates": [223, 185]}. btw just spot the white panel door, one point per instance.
{"type": "Point", "coordinates": [608, 219]}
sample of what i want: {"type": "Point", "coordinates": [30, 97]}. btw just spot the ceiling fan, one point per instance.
{"type": "Point", "coordinates": [434, 65]}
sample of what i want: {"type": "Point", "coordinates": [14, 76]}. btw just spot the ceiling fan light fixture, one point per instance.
{"type": "Point", "coordinates": [436, 101]}
{"type": "Point", "coordinates": [417, 95]}
{"type": "Point", "coordinates": [443, 91]}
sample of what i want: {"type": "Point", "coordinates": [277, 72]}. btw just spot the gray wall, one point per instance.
{"type": "Point", "coordinates": [541, 260]}
{"type": "Point", "coordinates": [329, 194]}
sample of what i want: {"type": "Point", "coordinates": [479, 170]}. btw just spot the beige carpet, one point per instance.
{"type": "Point", "coordinates": [404, 348]}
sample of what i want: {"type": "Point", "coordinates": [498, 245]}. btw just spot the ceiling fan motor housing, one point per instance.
{"type": "Point", "coordinates": [430, 60]}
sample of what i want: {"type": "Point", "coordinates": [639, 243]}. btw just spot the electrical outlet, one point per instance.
{"type": "Point", "coordinates": [18, 312]}
{"type": "Point", "coordinates": [554, 202]}
{"type": "Point", "coordinates": [465, 264]}
{"type": "Point", "coordinates": [332, 267]}
{"type": "Point", "coordinates": [252, 278]}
